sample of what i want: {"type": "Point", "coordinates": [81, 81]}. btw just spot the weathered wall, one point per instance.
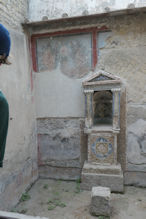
{"type": "Point", "coordinates": [13, 12]}
{"type": "Point", "coordinates": [20, 162]}
{"type": "Point", "coordinates": [42, 9]}
{"type": "Point", "coordinates": [124, 56]}
{"type": "Point", "coordinates": [122, 53]}
{"type": "Point", "coordinates": [61, 147]}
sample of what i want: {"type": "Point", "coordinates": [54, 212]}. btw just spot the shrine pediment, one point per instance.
{"type": "Point", "coordinates": [101, 77]}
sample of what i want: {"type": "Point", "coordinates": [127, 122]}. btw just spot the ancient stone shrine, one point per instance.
{"type": "Point", "coordinates": [102, 125]}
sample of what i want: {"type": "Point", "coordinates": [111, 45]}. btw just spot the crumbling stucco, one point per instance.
{"type": "Point", "coordinates": [61, 145]}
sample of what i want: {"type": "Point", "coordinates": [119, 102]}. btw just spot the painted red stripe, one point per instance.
{"type": "Point", "coordinates": [33, 51]}
{"type": "Point", "coordinates": [73, 31]}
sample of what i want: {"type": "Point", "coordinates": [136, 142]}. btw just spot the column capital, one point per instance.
{"type": "Point", "coordinates": [116, 90]}
{"type": "Point", "coordinates": [88, 91]}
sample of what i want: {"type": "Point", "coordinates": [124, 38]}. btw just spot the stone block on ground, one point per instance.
{"type": "Point", "coordinates": [100, 201]}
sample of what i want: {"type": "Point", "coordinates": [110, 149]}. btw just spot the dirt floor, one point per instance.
{"type": "Point", "coordinates": [65, 200]}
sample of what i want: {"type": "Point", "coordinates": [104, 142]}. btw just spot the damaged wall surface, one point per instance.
{"type": "Point", "coordinates": [121, 51]}
{"type": "Point", "coordinates": [62, 147]}
{"type": "Point", "coordinates": [20, 162]}
{"type": "Point", "coordinates": [59, 99]}
{"type": "Point", "coordinates": [42, 9]}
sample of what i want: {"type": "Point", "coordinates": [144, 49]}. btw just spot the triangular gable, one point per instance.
{"type": "Point", "coordinates": [101, 77]}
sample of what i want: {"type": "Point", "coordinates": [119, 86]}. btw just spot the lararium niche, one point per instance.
{"type": "Point", "coordinates": [102, 125]}
{"type": "Point", "coordinates": [102, 107]}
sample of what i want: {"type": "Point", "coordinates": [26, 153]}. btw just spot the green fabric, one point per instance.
{"type": "Point", "coordinates": [4, 117]}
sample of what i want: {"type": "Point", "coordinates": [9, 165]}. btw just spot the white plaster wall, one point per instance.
{"type": "Point", "coordinates": [20, 161]}
{"type": "Point", "coordinates": [62, 8]}
{"type": "Point", "coordinates": [58, 95]}
{"type": "Point", "coordinates": [15, 83]}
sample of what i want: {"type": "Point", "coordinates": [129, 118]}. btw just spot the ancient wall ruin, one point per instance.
{"type": "Point", "coordinates": [61, 144]}
{"type": "Point", "coordinates": [20, 162]}
{"type": "Point", "coordinates": [121, 51]}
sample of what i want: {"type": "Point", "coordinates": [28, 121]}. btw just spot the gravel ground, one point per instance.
{"type": "Point", "coordinates": [57, 199]}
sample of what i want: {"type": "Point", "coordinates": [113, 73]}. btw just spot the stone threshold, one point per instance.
{"type": "Point", "coordinates": [11, 215]}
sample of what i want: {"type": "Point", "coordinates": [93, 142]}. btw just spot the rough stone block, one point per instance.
{"type": "Point", "coordinates": [100, 201]}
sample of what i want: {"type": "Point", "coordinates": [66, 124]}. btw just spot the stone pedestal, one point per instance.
{"type": "Point", "coordinates": [100, 201]}
{"type": "Point", "coordinates": [102, 168]}
{"type": "Point", "coordinates": [102, 175]}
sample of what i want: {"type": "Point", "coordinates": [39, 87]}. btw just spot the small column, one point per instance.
{"type": "Point", "coordinates": [116, 108]}
{"type": "Point", "coordinates": [115, 133]}
{"type": "Point", "coordinates": [88, 107]}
